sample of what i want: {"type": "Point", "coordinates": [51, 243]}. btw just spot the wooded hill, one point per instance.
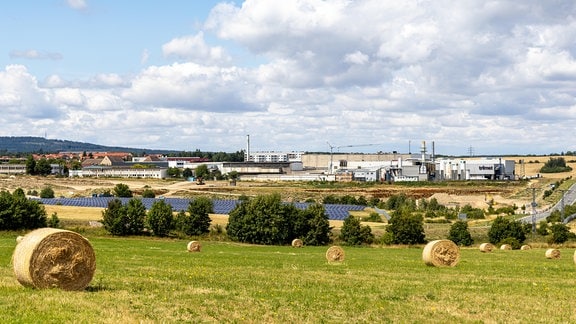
{"type": "Point", "coordinates": [27, 144]}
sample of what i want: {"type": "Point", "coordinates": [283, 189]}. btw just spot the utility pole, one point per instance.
{"type": "Point", "coordinates": [534, 210]}
{"type": "Point", "coordinates": [562, 205]}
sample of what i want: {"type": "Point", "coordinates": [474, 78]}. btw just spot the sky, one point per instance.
{"type": "Point", "coordinates": [476, 77]}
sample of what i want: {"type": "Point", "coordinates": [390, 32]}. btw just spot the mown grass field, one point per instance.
{"type": "Point", "coordinates": [145, 280]}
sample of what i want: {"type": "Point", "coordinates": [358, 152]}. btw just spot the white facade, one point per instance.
{"type": "Point", "coordinates": [149, 173]}
{"type": "Point", "coordinates": [271, 156]}
{"type": "Point", "coordinates": [475, 169]}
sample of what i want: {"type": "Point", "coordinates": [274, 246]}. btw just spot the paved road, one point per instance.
{"type": "Point", "coordinates": [569, 199]}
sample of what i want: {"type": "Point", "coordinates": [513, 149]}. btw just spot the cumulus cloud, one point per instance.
{"type": "Point", "coordinates": [496, 75]}
{"type": "Point", "coordinates": [195, 49]}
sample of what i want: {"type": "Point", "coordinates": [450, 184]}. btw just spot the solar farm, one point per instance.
{"type": "Point", "coordinates": [334, 211]}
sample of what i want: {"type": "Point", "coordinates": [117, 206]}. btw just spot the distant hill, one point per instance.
{"type": "Point", "coordinates": [29, 144]}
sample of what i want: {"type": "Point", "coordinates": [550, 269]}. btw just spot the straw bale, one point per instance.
{"type": "Point", "coordinates": [194, 246]}
{"type": "Point", "coordinates": [525, 247]}
{"type": "Point", "coordinates": [297, 243]}
{"type": "Point", "coordinates": [505, 247]}
{"type": "Point", "coordinates": [54, 258]}
{"type": "Point", "coordinates": [440, 253]}
{"type": "Point", "coordinates": [335, 254]}
{"type": "Point", "coordinates": [553, 254]}
{"type": "Point", "coordinates": [486, 247]}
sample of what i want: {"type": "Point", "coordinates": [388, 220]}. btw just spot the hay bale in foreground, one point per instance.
{"type": "Point", "coordinates": [505, 247]}
{"type": "Point", "coordinates": [297, 243]}
{"type": "Point", "coordinates": [441, 253]}
{"type": "Point", "coordinates": [574, 257]}
{"type": "Point", "coordinates": [486, 247]}
{"type": "Point", "coordinates": [553, 254]}
{"type": "Point", "coordinates": [335, 254]}
{"type": "Point", "coordinates": [525, 247]}
{"type": "Point", "coordinates": [54, 258]}
{"type": "Point", "coordinates": [194, 246]}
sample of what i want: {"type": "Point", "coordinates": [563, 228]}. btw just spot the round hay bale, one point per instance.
{"type": "Point", "coordinates": [525, 247]}
{"type": "Point", "coordinates": [335, 254]}
{"type": "Point", "coordinates": [574, 256]}
{"type": "Point", "coordinates": [194, 246]}
{"type": "Point", "coordinates": [441, 253]}
{"type": "Point", "coordinates": [486, 247]}
{"type": "Point", "coordinates": [297, 243]}
{"type": "Point", "coordinates": [553, 254]}
{"type": "Point", "coordinates": [54, 258]}
{"type": "Point", "coordinates": [505, 247]}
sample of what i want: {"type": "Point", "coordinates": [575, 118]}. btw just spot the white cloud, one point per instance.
{"type": "Point", "coordinates": [77, 4]}
{"type": "Point", "coordinates": [496, 75]}
{"type": "Point", "coordinates": [195, 49]}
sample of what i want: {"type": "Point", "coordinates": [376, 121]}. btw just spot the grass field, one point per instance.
{"type": "Point", "coordinates": [141, 280]}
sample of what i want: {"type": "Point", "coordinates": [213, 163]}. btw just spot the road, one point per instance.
{"type": "Point", "coordinates": [569, 199]}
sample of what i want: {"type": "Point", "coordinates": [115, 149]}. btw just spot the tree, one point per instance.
{"type": "Point", "coordinates": [555, 165]}
{"type": "Point", "coordinates": [202, 171]}
{"type": "Point", "coordinates": [260, 220]}
{"type": "Point", "coordinates": [187, 173]}
{"type": "Point", "coordinates": [174, 172]}
{"type": "Point", "coordinates": [114, 217]}
{"type": "Point", "coordinates": [135, 217]}
{"type": "Point", "coordinates": [197, 222]}
{"type": "Point", "coordinates": [406, 228]}
{"type": "Point", "coordinates": [460, 234]}
{"type": "Point", "coordinates": [17, 212]}
{"type": "Point", "coordinates": [30, 165]}
{"type": "Point", "coordinates": [353, 233]}
{"type": "Point", "coordinates": [503, 228]}
{"type": "Point", "coordinates": [43, 167]}
{"type": "Point", "coordinates": [54, 221]}
{"type": "Point", "coordinates": [160, 218]}
{"type": "Point", "coordinates": [122, 190]}
{"type": "Point", "coordinates": [560, 233]}
{"type": "Point", "coordinates": [316, 230]}
{"type": "Point", "coordinates": [47, 192]}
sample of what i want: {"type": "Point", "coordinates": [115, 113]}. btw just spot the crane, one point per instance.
{"type": "Point", "coordinates": [341, 146]}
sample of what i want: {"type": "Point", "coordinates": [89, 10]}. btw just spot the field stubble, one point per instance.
{"type": "Point", "coordinates": [143, 280]}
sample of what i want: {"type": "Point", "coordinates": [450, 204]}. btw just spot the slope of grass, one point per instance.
{"type": "Point", "coordinates": [150, 280]}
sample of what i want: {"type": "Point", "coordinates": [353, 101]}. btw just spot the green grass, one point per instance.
{"type": "Point", "coordinates": [153, 280]}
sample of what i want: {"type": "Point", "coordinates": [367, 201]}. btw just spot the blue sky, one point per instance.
{"type": "Point", "coordinates": [492, 77]}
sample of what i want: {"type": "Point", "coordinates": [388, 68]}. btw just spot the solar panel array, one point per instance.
{"type": "Point", "coordinates": [334, 211]}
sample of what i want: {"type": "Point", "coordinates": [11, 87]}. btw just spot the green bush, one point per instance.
{"type": "Point", "coordinates": [503, 228]}
{"type": "Point", "coordinates": [460, 234]}
{"type": "Point", "coordinates": [406, 228]}
{"type": "Point", "coordinates": [47, 192]}
{"type": "Point", "coordinates": [373, 217]}
{"type": "Point", "coordinates": [512, 241]}
{"type": "Point", "coordinates": [114, 217]}
{"type": "Point", "coordinates": [18, 212]}
{"type": "Point", "coordinates": [54, 221]}
{"type": "Point", "coordinates": [148, 193]}
{"type": "Point", "coordinates": [198, 220]}
{"type": "Point", "coordinates": [560, 233]}
{"type": "Point", "coordinates": [122, 190]}
{"type": "Point", "coordinates": [160, 218]}
{"type": "Point", "coordinates": [267, 220]}
{"type": "Point", "coordinates": [353, 233]}
{"type": "Point", "coordinates": [555, 165]}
